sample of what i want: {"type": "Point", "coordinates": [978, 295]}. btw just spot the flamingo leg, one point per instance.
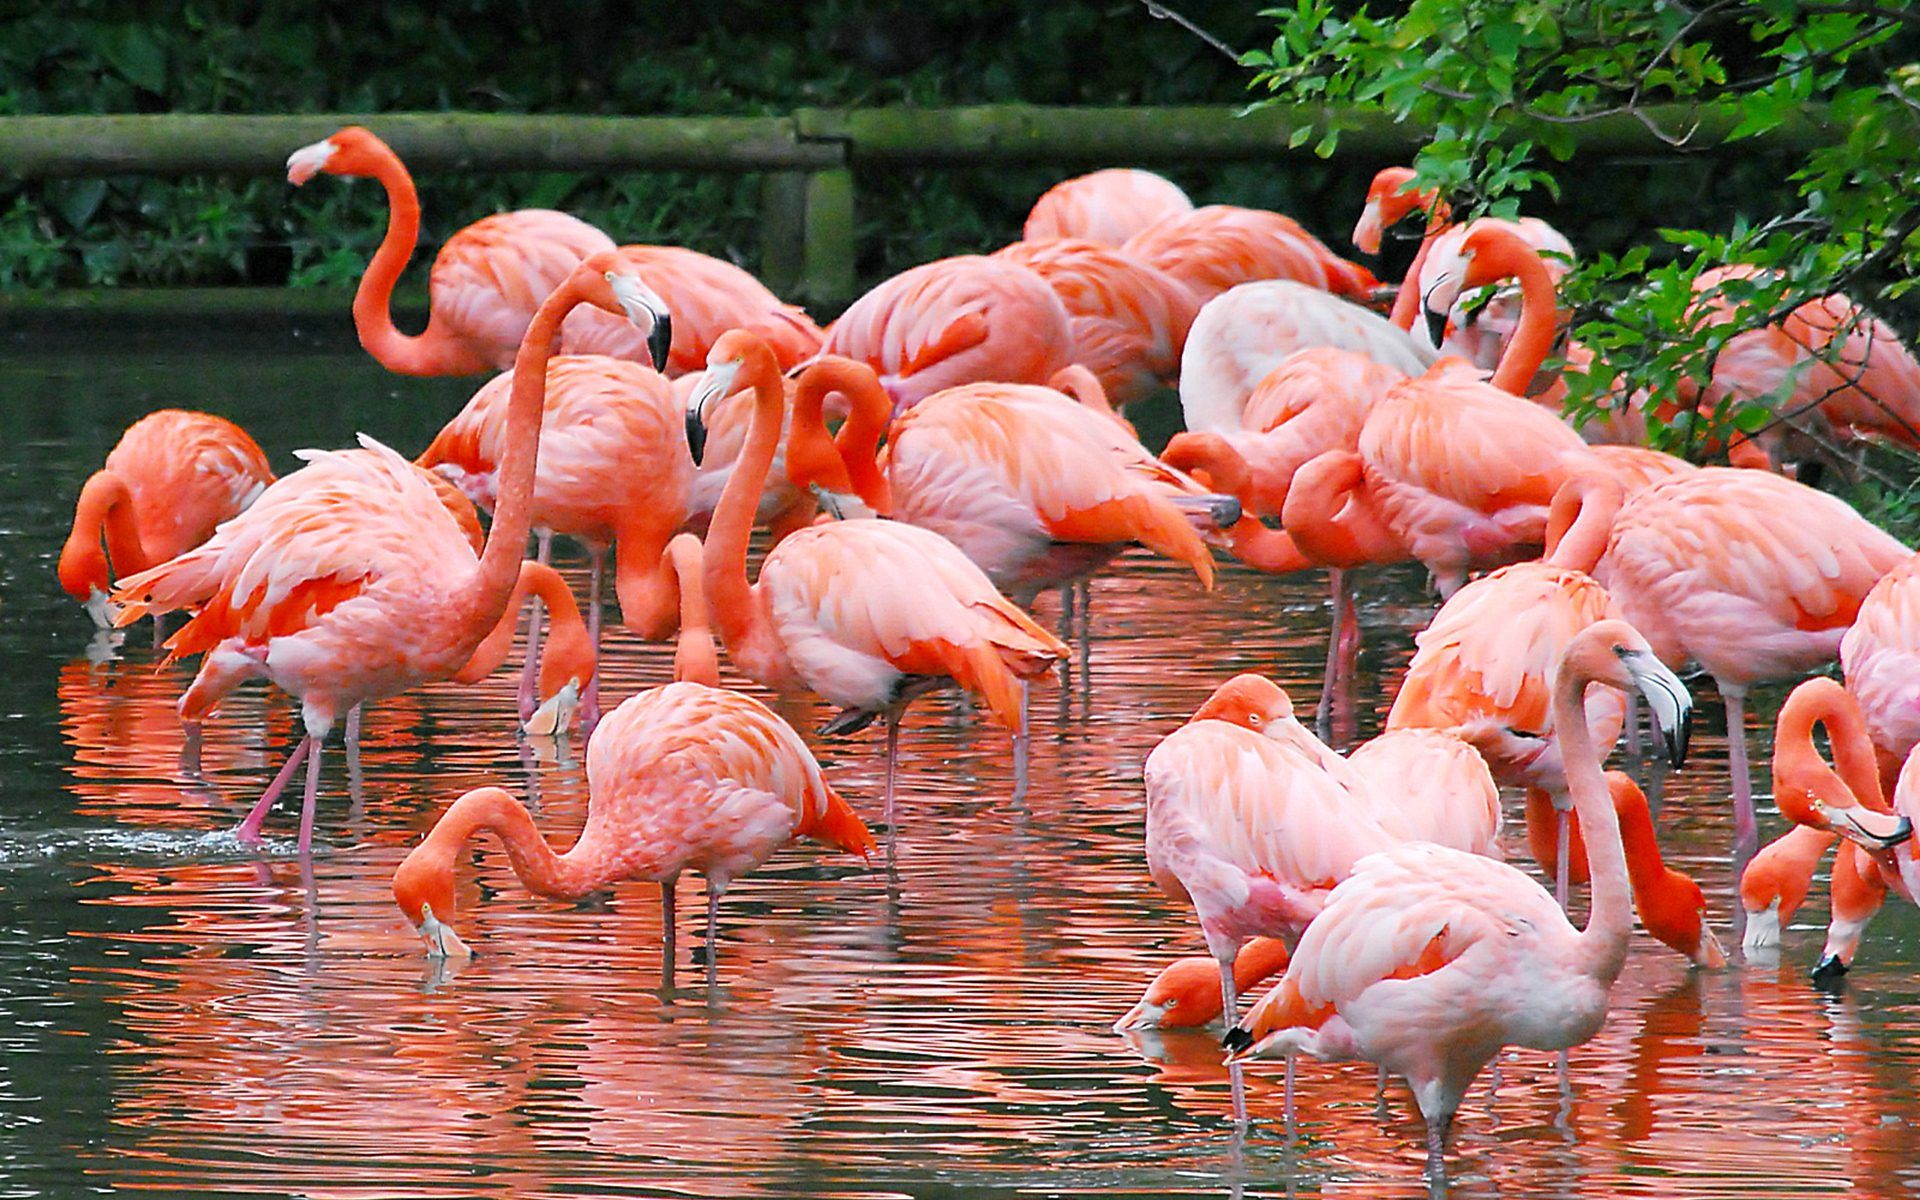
{"type": "Point", "coordinates": [1563, 852]}
{"type": "Point", "coordinates": [590, 703]}
{"type": "Point", "coordinates": [530, 670]}
{"type": "Point", "coordinates": [713, 924]}
{"type": "Point", "coordinates": [159, 631]}
{"type": "Point", "coordinates": [1086, 646]}
{"type": "Point", "coordinates": [666, 932]}
{"type": "Point", "coordinates": [352, 735]}
{"type": "Point", "coordinates": [1230, 1005]}
{"type": "Point", "coordinates": [1287, 1094]}
{"type": "Point", "coordinates": [1746, 831]}
{"type": "Point", "coordinates": [1022, 745]}
{"type": "Point", "coordinates": [190, 750]}
{"type": "Point", "coordinates": [248, 830]}
{"type": "Point", "coordinates": [308, 802]}
{"type": "Point", "coordinates": [893, 755]}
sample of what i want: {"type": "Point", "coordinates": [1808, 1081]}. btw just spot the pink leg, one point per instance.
{"type": "Point", "coordinates": [1022, 745]}
{"type": "Point", "coordinates": [1563, 836]}
{"type": "Point", "coordinates": [1330, 681]}
{"type": "Point", "coordinates": [590, 703]}
{"type": "Point", "coordinates": [666, 932]}
{"type": "Point", "coordinates": [713, 946]}
{"type": "Point", "coordinates": [1230, 1005]}
{"type": "Point", "coordinates": [313, 792]}
{"type": "Point", "coordinates": [190, 749]}
{"type": "Point", "coordinates": [249, 828]}
{"type": "Point", "coordinates": [893, 755]}
{"type": "Point", "coordinates": [1746, 831]}
{"type": "Point", "coordinates": [530, 670]}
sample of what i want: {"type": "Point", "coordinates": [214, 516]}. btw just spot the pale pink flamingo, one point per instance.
{"type": "Point", "coordinates": [347, 593]}
{"type": "Point", "coordinates": [1880, 659]}
{"type": "Point", "coordinates": [1214, 248]}
{"type": "Point", "coordinates": [866, 613]}
{"type": "Point", "coordinates": [1107, 206]}
{"type": "Point", "coordinates": [487, 281]}
{"type": "Point", "coordinates": [170, 479]}
{"type": "Point", "coordinates": [614, 472]}
{"type": "Point", "coordinates": [1186, 992]}
{"type": "Point", "coordinates": [1752, 576]}
{"type": "Point", "coordinates": [1032, 486]}
{"type": "Point", "coordinates": [1428, 961]}
{"type": "Point", "coordinates": [1129, 320]}
{"type": "Point", "coordinates": [954, 321]}
{"type": "Point", "coordinates": [707, 296]}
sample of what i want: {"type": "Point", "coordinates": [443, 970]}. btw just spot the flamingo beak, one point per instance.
{"type": "Point", "coordinates": [1870, 829]}
{"type": "Point", "coordinates": [1368, 230]}
{"type": "Point", "coordinates": [306, 162]}
{"type": "Point", "coordinates": [1436, 322]}
{"type": "Point", "coordinates": [1668, 698]}
{"type": "Point", "coordinates": [645, 308]}
{"type": "Point", "coordinates": [1144, 1015]}
{"type": "Point", "coordinates": [1709, 953]}
{"type": "Point", "coordinates": [103, 611]}
{"type": "Point", "coordinates": [554, 716]}
{"type": "Point", "coordinates": [717, 383]}
{"type": "Point", "coordinates": [442, 941]}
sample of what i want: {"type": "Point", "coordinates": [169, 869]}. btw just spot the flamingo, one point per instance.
{"type": "Point", "coordinates": [1880, 659]}
{"type": "Point", "coordinates": [953, 321]}
{"type": "Point", "coordinates": [707, 296]}
{"type": "Point", "coordinates": [1752, 576]}
{"type": "Point", "coordinates": [170, 479]}
{"type": "Point", "coordinates": [569, 662]}
{"type": "Point", "coordinates": [1107, 206]}
{"type": "Point", "coordinates": [866, 613]}
{"type": "Point", "coordinates": [1026, 482]}
{"type": "Point", "coordinates": [1186, 992]}
{"type": "Point", "coordinates": [488, 280]}
{"type": "Point", "coordinates": [688, 776]}
{"type": "Point", "coordinates": [1129, 321]}
{"type": "Point", "coordinates": [614, 470]}
{"type": "Point", "coordinates": [1775, 884]}
{"type": "Point", "coordinates": [1214, 248]}
{"type": "Point", "coordinates": [1427, 961]}
{"type": "Point", "coordinates": [350, 592]}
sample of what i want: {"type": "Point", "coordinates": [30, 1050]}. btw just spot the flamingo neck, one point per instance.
{"type": "Point", "coordinates": [1580, 523]}
{"type": "Point", "coordinates": [1802, 779]}
{"type": "Point", "coordinates": [1406, 302]}
{"type": "Point", "coordinates": [565, 876]}
{"type": "Point", "coordinates": [694, 657]}
{"type": "Point", "coordinates": [849, 461]}
{"type": "Point", "coordinates": [1330, 517]}
{"type": "Point", "coordinates": [744, 624]}
{"type": "Point", "coordinates": [105, 510]}
{"type": "Point", "coordinates": [1604, 941]}
{"type": "Point", "coordinates": [1539, 325]}
{"type": "Point", "coordinates": [435, 352]}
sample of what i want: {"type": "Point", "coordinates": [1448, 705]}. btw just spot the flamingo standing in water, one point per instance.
{"type": "Point", "coordinates": [170, 479]}
{"type": "Point", "coordinates": [867, 613]}
{"type": "Point", "coordinates": [1107, 206]}
{"type": "Point", "coordinates": [1428, 960]}
{"type": "Point", "coordinates": [347, 593]}
{"type": "Point", "coordinates": [487, 281]}
{"type": "Point", "coordinates": [688, 776]}
{"type": "Point", "coordinates": [954, 321]}
{"type": "Point", "coordinates": [707, 296]}
{"type": "Point", "coordinates": [614, 470]}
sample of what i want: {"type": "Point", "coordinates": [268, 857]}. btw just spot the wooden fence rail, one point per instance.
{"type": "Point", "coordinates": [810, 158]}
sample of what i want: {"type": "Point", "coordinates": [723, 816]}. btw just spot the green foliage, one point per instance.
{"type": "Point", "coordinates": [1504, 83]}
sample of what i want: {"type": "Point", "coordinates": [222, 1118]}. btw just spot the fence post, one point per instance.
{"type": "Point", "coordinates": [828, 242]}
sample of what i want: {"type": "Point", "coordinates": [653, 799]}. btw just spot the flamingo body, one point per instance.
{"type": "Point", "coordinates": [1214, 248]}
{"type": "Point", "coordinates": [1107, 206]}
{"type": "Point", "coordinates": [1880, 655]}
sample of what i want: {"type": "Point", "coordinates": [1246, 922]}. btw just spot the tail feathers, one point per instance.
{"type": "Point", "coordinates": [838, 825]}
{"type": "Point", "coordinates": [183, 582]}
{"type": "Point", "coordinates": [1027, 649]}
{"type": "Point", "coordinates": [1281, 1009]}
{"type": "Point", "coordinates": [964, 332]}
{"type": "Point", "coordinates": [1148, 518]}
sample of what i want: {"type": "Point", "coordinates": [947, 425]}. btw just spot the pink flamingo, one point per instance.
{"type": "Point", "coordinates": [707, 296]}
{"type": "Point", "coordinates": [1129, 320]}
{"type": "Point", "coordinates": [954, 321]}
{"type": "Point", "coordinates": [688, 776]}
{"type": "Point", "coordinates": [614, 471]}
{"type": "Point", "coordinates": [1029, 484]}
{"type": "Point", "coordinates": [487, 281]}
{"type": "Point", "coordinates": [170, 479]}
{"type": "Point", "coordinates": [1213, 248]}
{"type": "Point", "coordinates": [1880, 659]}
{"type": "Point", "coordinates": [1415, 960]}
{"type": "Point", "coordinates": [346, 593]}
{"type": "Point", "coordinates": [1750, 575]}
{"type": "Point", "coordinates": [866, 613]}
{"type": "Point", "coordinates": [1107, 206]}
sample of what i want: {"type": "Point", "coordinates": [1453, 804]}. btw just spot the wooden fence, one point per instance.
{"type": "Point", "coordinates": [811, 159]}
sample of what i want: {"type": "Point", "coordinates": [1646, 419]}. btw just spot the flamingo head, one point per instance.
{"type": "Point", "coordinates": [1185, 995]}
{"type": "Point", "coordinates": [1249, 701]}
{"type": "Point", "coordinates": [609, 283]}
{"type": "Point", "coordinates": [352, 151]}
{"type": "Point", "coordinates": [1389, 200]}
{"type": "Point", "coordinates": [1615, 654]}
{"type": "Point", "coordinates": [1821, 798]}
{"type": "Point", "coordinates": [423, 887]}
{"type": "Point", "coordinates": [732, 352]}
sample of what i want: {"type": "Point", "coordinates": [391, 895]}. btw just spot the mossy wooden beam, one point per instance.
{"type": "Point", "coordinates": [183, 144]}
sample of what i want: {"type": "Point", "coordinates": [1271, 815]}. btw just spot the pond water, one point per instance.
{"type": "Point", "coordinates": [184, 1016]}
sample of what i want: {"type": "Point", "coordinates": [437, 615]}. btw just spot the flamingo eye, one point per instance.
{"type": "Point", "coordinates": [1255, 718]}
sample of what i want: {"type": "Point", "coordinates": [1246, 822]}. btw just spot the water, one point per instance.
{"type": "Point", "coordinates": [187, 1016]}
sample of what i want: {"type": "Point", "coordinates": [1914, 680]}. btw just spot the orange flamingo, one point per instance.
{"type": "Point", "coordinates": [170, 479]}
{"type": "Point", "coordinates": [1025, 481]}
{"type": "Point", "coordinates": [868, 614]}
{"type": "Point", "coordinates": [1107, 206]}
{"type": "Point", "coordinates": [1750, 575]}
{"type": "Point", "coordinates": [487, 281]}
{"type": "Point", "coordinates": [614, 470]}
{"type": "Point", "coordinates": [1129, 320]}
{"type": "Point", "coordinates": [707, 296]}
{"type": "Point", "coordinates": [1213, 248]}
{"type": "Point", "coordinates": [1776, 882]}
{"type": "Point", "coordinates": [1186, 992]}
{"type": "Point", "coordinates": [1412, 964]}
{"type": "Point", "coordinates": [953, 321]}
{"type": "Point", "coordinates": [688, 776]}
{"type": "Point", "coordinates": [348, 592]}
{"type": "Point", "coordinates": [568, 663]}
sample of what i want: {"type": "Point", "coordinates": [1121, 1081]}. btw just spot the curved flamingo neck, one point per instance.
{"type": "Point", "coordinates": [849, 461]}
{"type": "Point", "coordinates": [1330, 516]}
{"type": "Point", "coordinates": [1801, 778]}
{"type": "Point", "coordinates": [104, 510]}
{"type": "Point", "coordinates": [1580, 523]}
{"type": "Point", "coordinates": [1604, 941]}
{"type": "Point", "coordinates": [694, 657]}
{"type": "Point", "coordinates": [1214, 461]}
{"type": "Point", "coordinates": [434, 352]}
{"type": "Point", "coordinates": [1539, 320]}
{"type": "Point", "coordinates": [565, 876]}
{"type": "Point", "coordinates": [744, 625]}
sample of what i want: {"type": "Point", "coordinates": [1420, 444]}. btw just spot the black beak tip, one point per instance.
{"type": "Point", "coordinates": [1436, 325]}
{"type": "Point", "coordinates": [1901, 834]}
{"type": "Point", "coordinates": [1678, 740]}
{"type": "Point", "coordinates": [1226, 512]}
{"type": "Point", "coordinates": [1237, 1039]}
{"type": "Point", "coordinates": [1830, 970]}
{"type": "Point", "coordinates": [660, 342]}
{"type": "Point", "coordinates": [696, 436]}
